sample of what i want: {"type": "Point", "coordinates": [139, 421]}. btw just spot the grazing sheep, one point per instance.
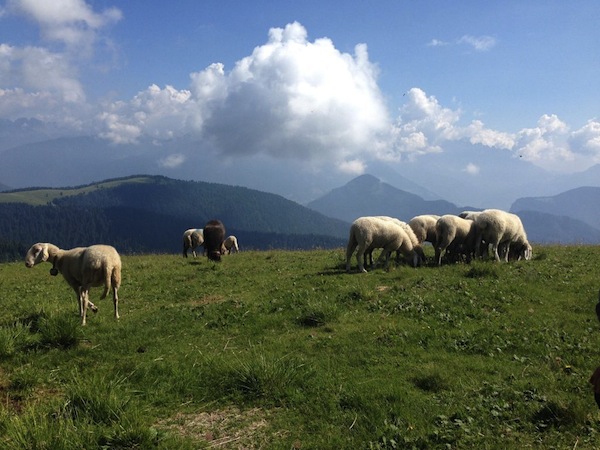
{"type": "Point", "coordinates": [229, 244]}
{"type": "Point", "coordinates": [413, 239]}
{"type": "Point", "coordinates": [424, 227]}
{"type": "Point", "coordinates": [192, 239]}
{"type": "Point", "coordinates": [214, 235]}
{"type": "Point", "coordinates": [505, 232]}
{"type": "Point", "coordinates": [455, 235]}
{"type": "Point", "coordinates": [471, 215]}
{"type": "Point", "coordinates": [368, 256]}
{"type": "Point", "coordinates": [368, 233]}
{"type": "Point", "coordinates": [82, 268]}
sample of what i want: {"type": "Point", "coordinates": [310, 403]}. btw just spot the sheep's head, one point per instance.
{"type": "Point", "coordinates": [36, 254]}
{"type": "Point", "coordinates": [215, 256]}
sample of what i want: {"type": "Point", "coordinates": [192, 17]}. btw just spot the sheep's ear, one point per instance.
{"type": "Point", "coordinates": [45, 255]}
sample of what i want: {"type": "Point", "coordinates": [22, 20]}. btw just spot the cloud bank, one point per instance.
{"type": "Point", "coordinates": [290, 99]}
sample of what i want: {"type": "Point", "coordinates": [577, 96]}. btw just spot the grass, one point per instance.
{"type": "Point", "coordinates": [283, 349]}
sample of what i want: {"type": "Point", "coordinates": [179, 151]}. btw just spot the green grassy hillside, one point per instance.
{"type": "Point", "coordinates": [146, 214]}
{"type": "Point", "coordinates": [283, 349]}
{"type": "Point", "coordinates": [43, 196]}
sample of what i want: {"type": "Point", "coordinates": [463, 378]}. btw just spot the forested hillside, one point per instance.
{"type": "Point", "coordinates": [150, 216]}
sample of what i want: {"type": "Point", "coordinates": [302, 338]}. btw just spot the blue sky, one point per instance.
{"type": "Point", "coordinates": [324, 84]}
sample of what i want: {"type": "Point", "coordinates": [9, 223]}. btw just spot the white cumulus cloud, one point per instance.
{"type": "Point", "coordinates": [587, 139]}
{"type": "Point", "coordinates": [291, 98]}
{"type": "Point", "coordinates": [71, 22]}
{"type": "Point", "coordinates": [546, 144]}
{"type": "Point", "coordinates": [37, 81]}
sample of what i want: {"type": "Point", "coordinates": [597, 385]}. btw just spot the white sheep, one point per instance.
{"type": "Point", "coordinates": [230, 243]}
{"type": "Point", "coordinates": [455, 235]}
{"type": "Point", "coordinates": [424, 227]}
{"type": "Point", "coordinates": [411, 235]}
{"type": "Point", "coordinates": [192, 239]}
{"type": "Point", "coordinates": [505, 232]}
{"type": "Point", "coordinates": [368, 255]}
{"type": "Point", "coordinates": [82, 268]}
{"type": "Point", "coordinates": [368, 233]}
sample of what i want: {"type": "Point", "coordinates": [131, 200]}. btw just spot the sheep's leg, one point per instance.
{"type": "Point", "coordinates": [116, 302]}
{"type": "Point", "coordinates": [368, 259]}
{"type": "Point", "coordinates": [83, 301]}
{"type": "Point", "coordinates": [415, 259]}
{"type": "Point", "coordinates": [438, 255]}
{"type": "Point", "coordinates": [506, 252]}
{"type": "Point", "coordinates": [385, 254]}
{"type": "Point", "coordinates": [360, 254]}
{"type": "Point", "coordinates": [495, 249]}
{"type": "Point", "coordinates": [79, 301]}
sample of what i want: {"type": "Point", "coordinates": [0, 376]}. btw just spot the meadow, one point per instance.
{"type": "Point", "coordinates": [284, 350]}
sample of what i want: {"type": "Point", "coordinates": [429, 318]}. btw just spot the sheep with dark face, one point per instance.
{"type": "Point", "coordinates": [214, 235]}
{"type": "Point", "coordinates": [83, 268]}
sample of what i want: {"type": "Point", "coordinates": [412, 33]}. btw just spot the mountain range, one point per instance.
{"type": "Point", "coordinates": [36, 154]}
{"type": "Point", "coordinates": [146, 214]}
{"type": "Point", "coordinates": [571, 217]}
{"type": "Point", "coordinates": [149, 214]}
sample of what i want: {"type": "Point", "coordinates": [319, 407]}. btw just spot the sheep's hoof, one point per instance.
{"type": "Point", "coordinates": [94, 308]}
{"type": "Point", "coordinates": [54, 271]}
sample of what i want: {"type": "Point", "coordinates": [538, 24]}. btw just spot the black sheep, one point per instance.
{"type": "Point", "coordinates": [214, 235]}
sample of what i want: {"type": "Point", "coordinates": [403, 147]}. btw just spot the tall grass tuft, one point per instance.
{"type": "Point", "coordinates": [133, 433]}
{"type": "Point", "coordinates": [265, 377]}
{"type": "Point", "coordinates": [59, 330]}
{"type": "Point", "coordinates": [14, 339]}
{"type": "Point", "coordinates": [318, 313]}
{"type": "Point", "coordinates": [557, 415]}
{"type": "Point", "coordinates": [35, 431]}
{"type": "Point", "coordinates": [98, 399]}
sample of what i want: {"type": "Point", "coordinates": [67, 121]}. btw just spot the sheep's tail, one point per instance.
{"type": "Point", "coordinates": [108, 280]}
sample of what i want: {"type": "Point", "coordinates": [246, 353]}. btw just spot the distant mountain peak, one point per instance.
{"type": "Point", "coordinates": [364, 180]}
{"type": "Point", "coordinates": [367, 195]}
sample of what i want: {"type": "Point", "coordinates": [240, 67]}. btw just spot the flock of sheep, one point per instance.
{"type": "Point", "coordinates": [100, 265]}
{"type": "Point", "coordinates": [468, 235]}
{"type": "Point", "coordinates": [465, 236]}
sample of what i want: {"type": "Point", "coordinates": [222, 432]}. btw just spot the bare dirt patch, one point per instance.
{"type": "Point", "coordinates": [228, 428]}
